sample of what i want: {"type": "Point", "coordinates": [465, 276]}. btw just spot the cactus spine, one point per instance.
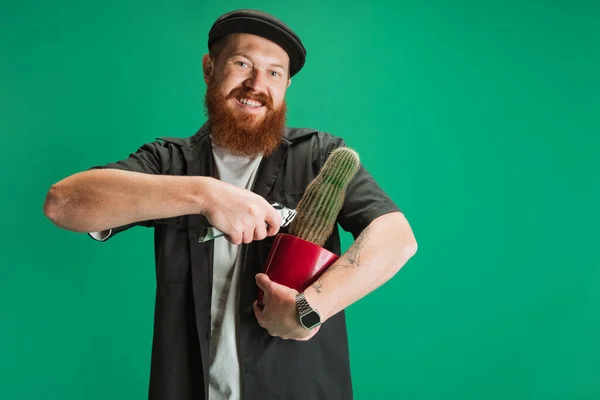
{"type": "Point", "coordinates": [318, 209]}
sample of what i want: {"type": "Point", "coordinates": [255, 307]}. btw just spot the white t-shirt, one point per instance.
{"type": "Point", "coordinates": [224, 381]}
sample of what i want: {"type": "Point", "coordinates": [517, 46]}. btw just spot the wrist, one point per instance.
{"type": "Point", "coordinates": [204, 188]}
{"type": "Point", "coordinates": [308, 316]}
{"type": "Point", "coordinates": [318, 302]}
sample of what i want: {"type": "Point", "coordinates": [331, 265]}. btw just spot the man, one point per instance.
{"type": "Point", "coordinates": [211, 340]}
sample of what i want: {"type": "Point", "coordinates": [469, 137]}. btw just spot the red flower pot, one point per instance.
{"type": "Point", "coordinates": [295, 262]}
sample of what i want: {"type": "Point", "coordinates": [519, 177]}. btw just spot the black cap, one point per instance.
{"type": "Point", "coordinates": [261, 24]}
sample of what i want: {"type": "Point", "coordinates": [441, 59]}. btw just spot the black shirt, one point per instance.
{"type": "Point", "coordinates": [271, 368]}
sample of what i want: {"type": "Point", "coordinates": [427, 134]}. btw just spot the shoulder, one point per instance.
{"type": "Point", "coordinates": [315, 142]}
{"type": "Point", "coordinates": [297, 135]}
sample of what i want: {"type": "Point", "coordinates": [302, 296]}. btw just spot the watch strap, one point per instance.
{"type": "Point", "coordinates": [302, 304]}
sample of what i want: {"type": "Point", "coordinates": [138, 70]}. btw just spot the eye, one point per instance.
{"type": "Point", "coordinates": [242, 64]}
{"type": "Point", "coordinates": [275, 74]}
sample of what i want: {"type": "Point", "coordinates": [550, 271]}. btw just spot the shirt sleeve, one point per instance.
{"type": "Point", "coordinates": [151, 158]}
{"type": "Point", "coordinates": [365, 200]}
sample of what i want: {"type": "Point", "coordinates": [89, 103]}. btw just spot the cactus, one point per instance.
{"type": "Point", "coordinates": [318, 208]}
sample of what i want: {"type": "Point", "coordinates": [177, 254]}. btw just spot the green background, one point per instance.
{"type": "Point", "coordinates": [481, 119]}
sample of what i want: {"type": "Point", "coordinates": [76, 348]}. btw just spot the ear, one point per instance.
{"type": "Point", "coordinates": [207, 67]}
{"type": "Point", "coordinates": [289, 82]}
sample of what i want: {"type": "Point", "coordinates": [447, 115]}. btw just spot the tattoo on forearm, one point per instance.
{"type": "Point", "coordinates": [351, 258]}
{"type": "Point", "coordinates": [318, 285]}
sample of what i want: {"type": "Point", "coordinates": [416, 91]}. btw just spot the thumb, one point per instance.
{"type": "Point", "coordinates": [263, 282]}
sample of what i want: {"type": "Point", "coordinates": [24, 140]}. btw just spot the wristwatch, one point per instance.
{"type": "Point", "coordinates": [309, 317]}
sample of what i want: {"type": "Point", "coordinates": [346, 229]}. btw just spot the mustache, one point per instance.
{"type": "Point", "coordinates": [247, 93]}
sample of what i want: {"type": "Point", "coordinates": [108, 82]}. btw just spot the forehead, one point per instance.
{"type": "Point", "coordinates": [255, 47]}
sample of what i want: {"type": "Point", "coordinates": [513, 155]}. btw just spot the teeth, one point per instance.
{"type": "Point", "coordinates": [251, 103]}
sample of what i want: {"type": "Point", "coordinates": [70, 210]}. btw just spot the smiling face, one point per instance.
{"type": "Point", "coordinates": [247, 77]}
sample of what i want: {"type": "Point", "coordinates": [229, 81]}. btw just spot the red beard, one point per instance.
{"type": "Point", "coordinates": [243, 134]}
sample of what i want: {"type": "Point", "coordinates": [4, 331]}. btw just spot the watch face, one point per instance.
{"type": "Point", "coordinates": [311, 319]}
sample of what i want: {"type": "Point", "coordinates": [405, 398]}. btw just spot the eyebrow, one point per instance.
{"type": "Point", "coordinates": [239, 53]}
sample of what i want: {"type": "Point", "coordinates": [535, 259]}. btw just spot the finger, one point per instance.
{"type": "Point", "coordinates": [260, 307]}
{"type": "Point", "coordinates": [248, 236]}
{"type": "Point", "coordinates": [273, 220]}
{"type": "Point", "coordinates": [260, 232]}
{"type": "Point", "coordinates": [257, 313]}
{"type": "Point", "coordinates": [235, 237]}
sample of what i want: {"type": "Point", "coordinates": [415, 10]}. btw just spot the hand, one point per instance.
{"type": "Point", "coordinates": [279, 315]}
{"type": "Point", "coordinates": [242, 215]}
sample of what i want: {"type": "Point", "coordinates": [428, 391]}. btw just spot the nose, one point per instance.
{"type": "Point", "coordinates": [255, 81]}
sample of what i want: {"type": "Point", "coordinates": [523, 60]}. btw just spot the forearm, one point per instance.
{"type": "Point", "coordinates": [381, 250]}
{"type": "Point", "coordinates": [97, 200]}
